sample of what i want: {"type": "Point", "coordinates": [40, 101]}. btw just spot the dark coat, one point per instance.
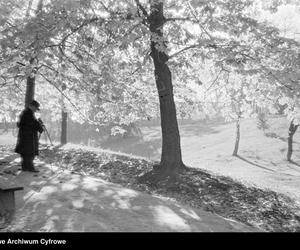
{"type": "Point", "coordinates": [28, 141]}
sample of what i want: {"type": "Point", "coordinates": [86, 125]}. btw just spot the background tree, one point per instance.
{"type": "Point", "coordinates": [292, 130]}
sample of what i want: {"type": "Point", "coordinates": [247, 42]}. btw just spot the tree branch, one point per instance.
{"type": "Point", "coordinates": [145, 13]}
{"type": "Point", "coordinates": [181, 19]}
{"type": "Point", "coordinates": [186, 48]}
{"type": "Point", "coordinates": [85, 23]}
{"type": "Point", "coordinates": [70, 60]}
{"type": "Point", "coordinates": [214, 81]}
{"type": "Point", "coordinates": [69, 79]}
{"type": "Point", "coordinates": [53, 84]}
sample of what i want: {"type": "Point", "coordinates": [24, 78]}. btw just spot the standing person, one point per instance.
{"type": "Point", "coordinates": [27, 142]}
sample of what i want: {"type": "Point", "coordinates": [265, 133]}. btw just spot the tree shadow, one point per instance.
{"type": "Point", "coordinates": [294, 163]}
{"type": "Point", "coordinates": [274, 135]}
{"type": "Point", "coordinates": [8, 163]}
{"type": "Point", "coordinates": [45, 146]}
{"type": "Point", "coordinates": [254, 164]}
{"type": "Point", "coordinates": [77, 203]}
{"type": "Point", "coordinates": [7, 160]}
{"type": "Point", "coordinates": [150, 149]}
{"type": "Point", "coordinates": [150, 145]}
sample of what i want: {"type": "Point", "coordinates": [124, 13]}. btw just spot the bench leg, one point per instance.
{"type": "Point", "coordinates": [7, 202]}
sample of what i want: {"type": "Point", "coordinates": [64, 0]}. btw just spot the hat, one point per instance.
{"type": "Point", "coordinates": [35, 104]}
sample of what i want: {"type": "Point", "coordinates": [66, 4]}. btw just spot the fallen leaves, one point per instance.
{"type": "Point", "coordinates": [224, 196]}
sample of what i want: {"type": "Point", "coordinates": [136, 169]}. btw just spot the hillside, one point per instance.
{"type": "Point", "coordinates": [209, 146]}
{"type": "Point", "coordinates": [207, 149]}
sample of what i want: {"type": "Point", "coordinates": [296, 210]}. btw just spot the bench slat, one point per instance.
{"type": "Point", "coordinates": [8, 186]}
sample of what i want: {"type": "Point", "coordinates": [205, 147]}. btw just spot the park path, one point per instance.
{"type": "Point", "coordinates": [56, 200]}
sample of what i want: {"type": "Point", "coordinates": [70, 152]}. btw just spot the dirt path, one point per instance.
{"type": "Point", "coordinates": [60, 201]}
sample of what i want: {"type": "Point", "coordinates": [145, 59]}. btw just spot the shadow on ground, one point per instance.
{"type": "Point", "coordinates": [150, 149]}
{"type": "Point", "coordinates": [78, 203]}
{"type": "Point", "coordinates": [59, 200]}
{"type": "Point", "coordinates": [201, 190]}
{"type": "Point", "coordinates": [149, 146]}
{"type": "Point", "coordinates": [254, 164]}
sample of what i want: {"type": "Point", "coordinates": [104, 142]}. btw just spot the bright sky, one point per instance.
{"type": "Point", "coordinates": [287, 19]}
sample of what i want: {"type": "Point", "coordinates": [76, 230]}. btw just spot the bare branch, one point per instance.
{"type": "Point", "coordinates": [145, 13]}
{"type": "Point", "coordinates": [103, 5]}
{"type": "Point", "coordinates": [69, 79]}
{"type": "Point", "coordinates": [84, 23]}
{"type": "Point", "coordinates": [5, 82]}
{"type": "Point", "coordinates": [180, 19]}
{"type": "Point", "coordinates": [199, 23]}
{"type": "Point", "coordinates": [70, 60]}
{"type": "Point", "coordinates": [186, 48]}
{"type": "Point", "coordinates": [54, 85]}
{"type": "Point", "coordinates": [214, 81]}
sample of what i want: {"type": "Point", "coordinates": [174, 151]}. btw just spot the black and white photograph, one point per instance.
{"type": "Point", "coordinates": [148, 116]}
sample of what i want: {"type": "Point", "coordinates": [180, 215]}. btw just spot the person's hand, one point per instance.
{"type": "Point", "coordinates": [40, 121]}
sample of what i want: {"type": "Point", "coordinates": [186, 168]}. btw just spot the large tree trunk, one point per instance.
{"type": "Point", "coordinates": [30, 83]}
{"type": "Point", "coordinates": [171, 159]}
{"type": "Point", "coordinates": [237, 138]}
{"type": "Point", "coordinates": [292, 130]}
{"type": "Point", "coordinates": [30, 89]}
{"type": "Point", "coordinates": [63, 135]}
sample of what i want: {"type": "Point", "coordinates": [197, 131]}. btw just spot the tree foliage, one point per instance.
{"type": "Point", "coordinates": [221, 55]}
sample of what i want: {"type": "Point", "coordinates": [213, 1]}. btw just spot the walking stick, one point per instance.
{"type": "Point", "coordinates": [47, 133]}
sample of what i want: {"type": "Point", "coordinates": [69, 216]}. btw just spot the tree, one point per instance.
{"type": "Point", "coordinates": [205, 40]}
{"type": "Point", "coordinates": [64, 117]}
{"type": "Point", "coordinates": [292, 130]}
{"type": "Point", "coordinates": [292, 111]}
{"type": "Point", "coordinates": [30, 83]}
{"type": "Point", "coordinates": [171, 158]}
{"type": "Point", "coordinates": [167, 32]}
{"type": "Point", "coordinates": [236, 103]}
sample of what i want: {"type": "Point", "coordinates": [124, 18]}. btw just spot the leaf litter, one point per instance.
{"type": "Point", "coordinates": [261, 208]}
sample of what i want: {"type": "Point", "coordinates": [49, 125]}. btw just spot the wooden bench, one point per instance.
{"type": "Point", "coordinates": [7, 196]}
